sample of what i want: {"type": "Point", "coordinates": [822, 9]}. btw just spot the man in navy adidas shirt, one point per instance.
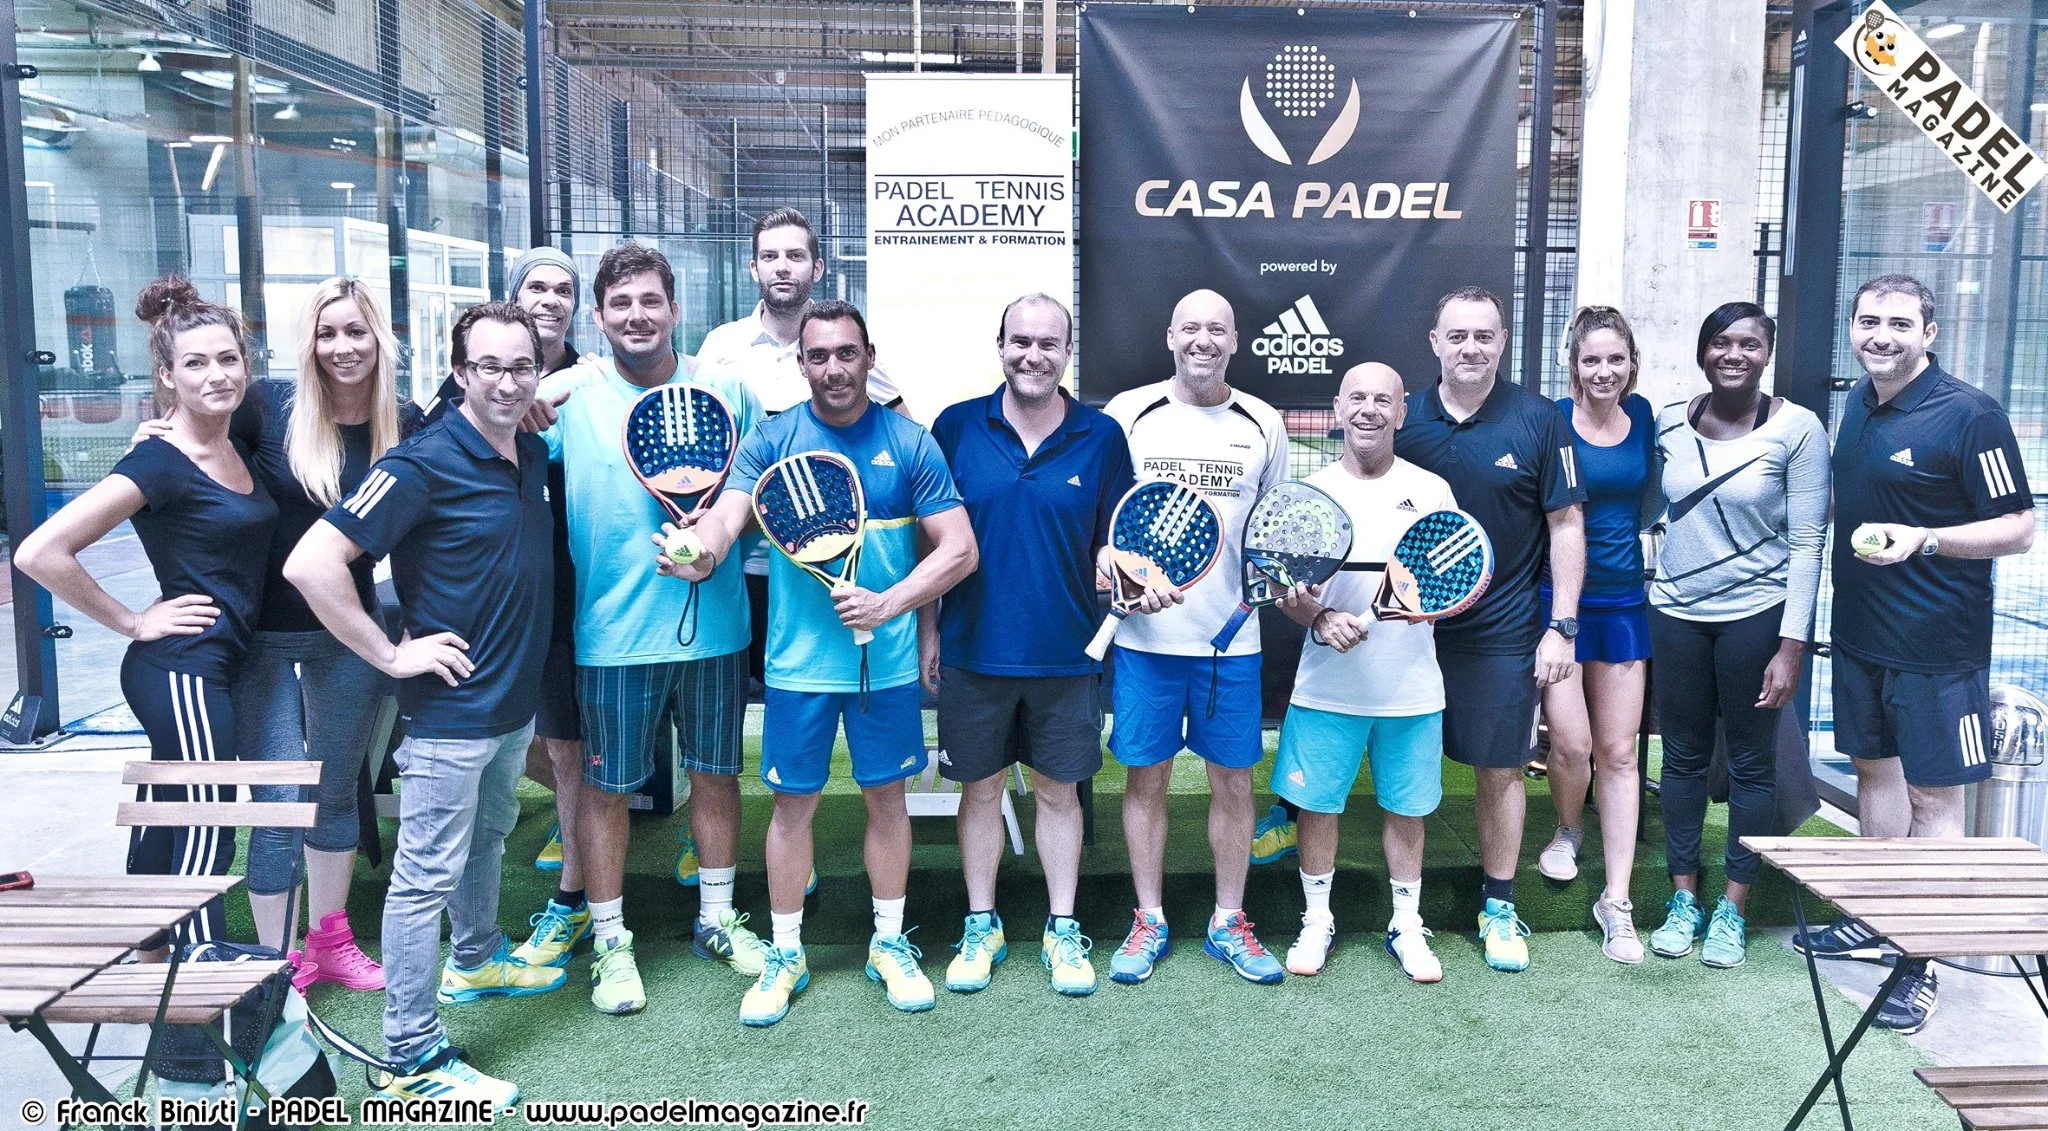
{"type": "Point", "coordinates": [1507, 454]}
{"type": "Point", "coordinates": [1041, 474]}
{"type": "Point", "coordinates": [1930, 464]}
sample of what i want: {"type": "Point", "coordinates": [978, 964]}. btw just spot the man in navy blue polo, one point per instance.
{"type": "Point", "coordinates": [1041, 474]}
{"type": "Point", "coordinates": [1927, 468]}
{"type": "Point", "coordinates": [1507, 454]}
{"type": "Point", "coordinates": [462, 512]}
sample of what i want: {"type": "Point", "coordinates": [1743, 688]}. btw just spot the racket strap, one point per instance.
{"type": "Point", "coordinates": [371, 1062]}
{"type": "Point", "coordinates": [1215, 662]}
{"type": "Point", "coordinates": [689, 617]}
{"type": "Point", "coordinates": [863, 679]}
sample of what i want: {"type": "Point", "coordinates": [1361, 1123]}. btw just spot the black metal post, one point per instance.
{"type": "Point", "coordinates": [534, 15]}
{"type": "Point", "coordinates": [565, 214]}
{"type": "Point", "coordinates": [394, 185]}
{"type": "Point", "coordinates": [21, 418]}
{"type": "Point", "coordinates": [622, 164]}
{"type": "Point", "coordinates": [494, 159]}
{"type": "Point", "coordinates": [2018, 111]}
{"type": "Point", "coordinates": [1810, 270]}
{"type": "Point", "coordinates": [1536, 244]}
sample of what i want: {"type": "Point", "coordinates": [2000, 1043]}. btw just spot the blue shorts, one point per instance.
{"type": "Point", "coordinates": [1935, 725]}
{"type": "Point", "coordinates": [623, 707]}
{"type": "Point", "coordinates": [1320, 752]}
{"type": "Point", "coordinates": [797, 729]}
{"type": "Point", "coordinates": [1162, 707]}
{"type": "Point", "coordinates": [1610, 636]}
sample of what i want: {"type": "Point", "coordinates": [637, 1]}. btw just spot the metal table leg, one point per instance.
{"type": "Point", "coordinates": [1820, 1005]}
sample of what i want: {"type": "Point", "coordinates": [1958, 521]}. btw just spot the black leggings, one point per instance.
{"type": "Point", "coordinates": [188, 719]}
{"type": "Point", "coordinates": [1707, 671]}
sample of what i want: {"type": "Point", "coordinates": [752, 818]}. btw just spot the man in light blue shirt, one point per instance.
{"type": "Point", "coordinates": [647, 655]}
{"type": "Point", "coordinates": [815, 672]}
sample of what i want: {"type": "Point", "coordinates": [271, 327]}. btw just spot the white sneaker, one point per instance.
{"type": "Point", "coordinates": [1408, 943]}
{"type": "Point", "coordinates": [1312, 949]}
{"type": "Point", "coordinates": [1618, 931]}
{"type": "Point", "coordinates": [1560, 858]}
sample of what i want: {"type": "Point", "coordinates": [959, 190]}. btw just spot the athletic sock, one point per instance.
{"type": "Point", "coordinates": [993, 918]}
{"type": "Point", "coordinates": [1054, 922]}
{"type": "Point", "coordinates": [1292, 810]}
{"type": "Point", "coordinates": [889, 916]}
{"type": "Point", "coordinates": [572, 900]}
{"type": "Point", "coordinates": [1317, 890]}
{"type": "Point", "coordinates": [787, 930]}
{"type": "Point", "coordinates": [608, 919]}
{"type": "Point", "coordinates": [1503, 890]}
{"type": "Point", "coordinates": [1156, 914]}
{"type": "Point", "coordinates": [1407, 903]}
{"type": "Point", "coordinates": [714, 894]}
{"type": "Point", "coordinates": [1222, 915]}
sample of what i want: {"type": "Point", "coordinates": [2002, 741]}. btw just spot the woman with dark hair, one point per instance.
{"type": "Point", "coordinates": [197, 508]}
{"type": "Point", "coordinates": [1745, 480]}
{"type": "Point", "coordinates": [1595, 712]}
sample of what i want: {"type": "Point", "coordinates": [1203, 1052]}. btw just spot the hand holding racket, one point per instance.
{"type": "Point", "coordinates": [680, 440]}
{"type": "Point", "coordinates": [812, 508]}
{"type": "Point", "coordinates": [1439, 569]}
{"type": "Point", "coordinates": [1295, 535]}
{"type": "Point", "coordinates": [1161, 535]}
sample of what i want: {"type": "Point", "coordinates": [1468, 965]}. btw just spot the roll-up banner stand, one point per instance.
{"type": "Point", "coordinates": [970, 204]}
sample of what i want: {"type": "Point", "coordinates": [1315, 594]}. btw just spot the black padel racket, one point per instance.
{"type": "Point", "coordinates": [1295, 535]}
{"type": "Point", "coordinates": [1439, 568]}
{"type": "Point", "coordinates": [1162, 534]}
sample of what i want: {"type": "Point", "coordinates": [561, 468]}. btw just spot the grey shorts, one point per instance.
{"type": "Point", "coordinates": [1052, 724]}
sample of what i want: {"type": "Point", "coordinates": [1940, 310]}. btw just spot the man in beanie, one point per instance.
{"type": "Point", "coordinates": [545, 283]}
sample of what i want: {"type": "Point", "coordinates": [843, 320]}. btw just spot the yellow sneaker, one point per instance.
{"type": "Point", "coordinates": [501, 975]}
{"type": "Point", "coordinates": [550, 858]}
{"type": "Point", "coordinates": [1505, 935]}
{"type": "Point", "coordinates": [784, 974]}
{"type": "Point", "coordinates": [615, 978]}
{"type": "Point", "coordinates": [442, 1075]}
{"type": "Point", "coordinates": [981, 947]}
{"type": "Point", "coordinates": [892, 961]}
{"type": "Point", "coordinates": [1274, 837]}
{"type": "Point", "coordinates": [557, 931]}
{"type": "Point", "coordinates": [732, 943]}
{"type": "Point", "coordinates": [686, 860]}
{"type": "Point", "coordinates": [1065, 953]}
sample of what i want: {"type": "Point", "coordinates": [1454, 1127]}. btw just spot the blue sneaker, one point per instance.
{"type": "Point", "coordinates": [1143, 948]}
{"type": "Point", "coordinates": [1844, 938]}
{"type": "Point", "coordinates": [1233, 942]}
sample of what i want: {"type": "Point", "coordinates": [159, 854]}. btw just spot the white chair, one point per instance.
{"type": "Point", "coordinates": [934, 796]}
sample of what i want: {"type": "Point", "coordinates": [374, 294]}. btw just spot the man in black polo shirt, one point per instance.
{"type": "Point", "coordinates": [463, 513]}
{"type": "Point", "coordinates": [1926, 468]}
{"type": "Point", "coordinates": [1507, 455]}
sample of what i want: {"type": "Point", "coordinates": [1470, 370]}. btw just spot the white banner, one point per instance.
{"type": "Point", "coordinates": [970, 204]}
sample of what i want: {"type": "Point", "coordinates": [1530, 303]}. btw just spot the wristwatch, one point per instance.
{"type": "Point", "coordinates": [1567, 627]}
{"type": "Point", "coordinates": [1931, 546]}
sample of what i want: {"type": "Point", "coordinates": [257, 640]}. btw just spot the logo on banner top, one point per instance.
{"type": "Point", "coordinates": [1298, 341]}
{"type": "Point", "coordinates": [1299, 83]}
{"type": "Point", "coordinates": [1928, 91]}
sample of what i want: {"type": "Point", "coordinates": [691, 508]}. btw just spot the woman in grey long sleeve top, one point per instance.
{"type": "Point", "coordinates": [1745, 482]}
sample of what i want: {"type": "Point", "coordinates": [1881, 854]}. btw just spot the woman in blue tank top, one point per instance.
{"type": "Point", "coordinates": [1595, 714]}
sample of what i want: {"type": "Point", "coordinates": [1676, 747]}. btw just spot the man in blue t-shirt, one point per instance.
{"type": "Point", "coordinates": [1041, 474]}
{"type": "Point", "coordinates": [816, 674]}
{"type": "Point", "coordinates": [461, 509]}
{"type": "Point", "coordinates": [1928, 480]}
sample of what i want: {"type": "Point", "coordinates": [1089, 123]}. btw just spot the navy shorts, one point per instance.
{"type": "Point", "coordinates": [1936, 725]}
{"type": "Point", "coordinates": [1162, 707]}
{"type": "Point", "coordinates": [1489, 708]}
{"type": "Point", "coordinates": [560, 716]}
{"type": "Point", "coordinates": [705, 700]}
{"type": "Point", "coordinates": [886, 741]}
{"type": "Point", "coordinates": [1051, 723]}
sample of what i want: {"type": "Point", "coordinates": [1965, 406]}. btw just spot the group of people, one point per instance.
{"type": "Point", "coordinates": [536, 599]}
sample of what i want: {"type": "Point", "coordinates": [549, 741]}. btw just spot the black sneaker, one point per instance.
{"type": "Point", "coordinates": [1911, 1003]}
{"type": "Point", "coordinates": [1844, 938]}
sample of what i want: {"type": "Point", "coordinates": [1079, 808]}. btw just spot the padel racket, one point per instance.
{"type": "Point", "coordinates": [680, 441]}
{"type": "Point", "coordinates": [811, 507]}
{"type": "Point", "coordinates": [1295, 535]}
{"type": "Point", "coordinates": [1161, 534]}
{"type": "Point", "coordinates": [1439, 569]}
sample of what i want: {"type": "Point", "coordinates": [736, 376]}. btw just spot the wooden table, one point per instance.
{"type": "Point", "coordinates": [1928, 898]}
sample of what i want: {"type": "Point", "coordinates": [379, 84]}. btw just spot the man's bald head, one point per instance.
{"type": "Point", "coordinates": [1202, 336]}
{"type": "Point", "coordinates": [1371, 404]}
{"type": "Point", "coordinates": [1204, 305]}
{"type": "Point", "coordinates": [1373, 375]}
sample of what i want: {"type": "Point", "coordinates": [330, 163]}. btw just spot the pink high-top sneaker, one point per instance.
{"type": "Point", "coordinates": [332, 952]}
{"type": "Point", "coordinates": [304, 972]}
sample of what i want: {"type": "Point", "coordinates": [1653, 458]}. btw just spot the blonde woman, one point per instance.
{"type": "Point", "coordinates": [1594, 713]}
{"type": "Point", "coordinates": [301, 694]}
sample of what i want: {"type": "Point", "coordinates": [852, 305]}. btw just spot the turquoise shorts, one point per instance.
{"type": "Point", "coordinates": [1320, 752]}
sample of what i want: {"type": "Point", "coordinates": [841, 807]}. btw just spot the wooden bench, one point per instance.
{"type": "Point", "coordinates": [2011, 1098]}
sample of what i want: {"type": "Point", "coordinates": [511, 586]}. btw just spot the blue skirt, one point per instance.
{"type": "Point", "coordinates": [1609, 635]}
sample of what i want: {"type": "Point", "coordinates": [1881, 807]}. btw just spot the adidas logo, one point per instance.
{"type": "Point", "coordinates": [1904, 456]}
{"type": "Point", "coordinates": [1296, 778]}
{"type": "Point", "coordinates": [1073, 481]}
{"type": "Point", "coordinates": [1507, 461]}
{"type": "Point", "coordinates": [1299, 341]}
{"type": "Point", "coordinates": [774, 778]}
{"type": "Point", "coordinates": [1406, 505]}
{"type": "Point", "coordinates": [945, 759]}
{"type": "Point", "coordinates": [909, 763]}
{"type": "Point", "coordinates": [882, 459]}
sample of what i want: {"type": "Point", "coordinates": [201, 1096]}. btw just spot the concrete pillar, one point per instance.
{"type": "Point", "coordinates": [1673, 93]}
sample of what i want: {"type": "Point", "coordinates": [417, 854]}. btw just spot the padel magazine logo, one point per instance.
{"type": "Point", "coordinates": [1299, 83]}
{"type": "Point", "coordinates": [1298, 341]}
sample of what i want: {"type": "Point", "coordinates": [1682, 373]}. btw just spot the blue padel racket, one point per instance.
{"type": "Point", "coordinates": [680, 441]}
{"type": "Point", "coordinates": [1162, 534]}
{"type": "Point", "coordinates": [1295, 535]}
{"type": "Point", "coordinates": [812, 508]}
{"type": "Point", "coordinates": [1439, 569]}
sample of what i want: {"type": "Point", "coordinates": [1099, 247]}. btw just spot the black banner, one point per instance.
{"type": "Point", "coordinates": [1330, 173]}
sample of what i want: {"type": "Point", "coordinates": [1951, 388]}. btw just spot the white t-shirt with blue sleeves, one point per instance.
{"type": "Point", "coordinates": [626, 612]}
{"type": "Point", "coordinates": [905, 479]}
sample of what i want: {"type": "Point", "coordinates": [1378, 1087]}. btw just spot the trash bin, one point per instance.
{"type": "Point", "coordinates": [2014, 802]}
